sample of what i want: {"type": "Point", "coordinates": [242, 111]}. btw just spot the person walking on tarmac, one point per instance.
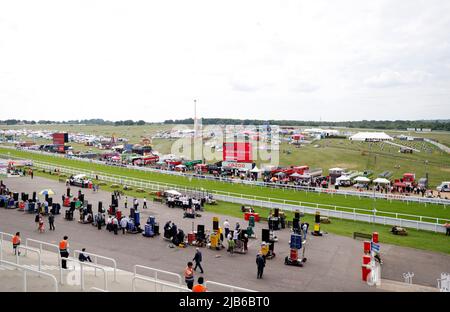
{"type": "Point", "coordinates": [226, 227]}
{"type": "Point", "coordinates": [64, 251]}
{"type": "Point", "coordinates": [144, 206]}
{"type": "Point", "coordinates": [198, 259]}
{"type": "Point", "coordinates": [41, 226]}
{"type": "Point", "coordinates": [115, 225]}
{"type": "Point", "coordinates": [51, 221]}
{"type": "Point", "coordinates": [260, 264]}
{"type": "Point", "coordinates": [189, 275]}
{"type": "Point", "coordinates": [16, 242]}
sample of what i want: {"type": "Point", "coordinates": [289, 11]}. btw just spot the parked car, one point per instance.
{"type": "Point", "coordinates": [444, 187]}
{"type": "Point", "coordinates": [79, 180]}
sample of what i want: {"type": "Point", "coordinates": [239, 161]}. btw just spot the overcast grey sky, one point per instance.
{"type": "Point", "coordinates": [305, 60]}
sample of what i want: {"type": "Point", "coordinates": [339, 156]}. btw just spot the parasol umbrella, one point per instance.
{"type": "Point", "coordinates": [280, 174]}
{"type": "Point", "coordinates": [47, 192]}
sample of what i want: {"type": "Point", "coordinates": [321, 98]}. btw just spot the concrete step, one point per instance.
{"type": "Point", "coordinates": [11, 279]}
{"type": "Point", "coordinates": [395, 286]}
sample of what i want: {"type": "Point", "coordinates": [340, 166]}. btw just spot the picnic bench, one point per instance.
{"type": "Point", "coordinates": [362, 235]}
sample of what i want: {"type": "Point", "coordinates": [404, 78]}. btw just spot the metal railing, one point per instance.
{"type": "Point", "coordinates": [349, 213]}
{"type": "Point", "coordinates": [253, 183]}
{"type": "Point", "coordinates": [444, 282]}
{"type": "Point", "coordinates": [96, 289]}
{"type": "Point", "coordinates": [158, 185]}
{"type": "Point", "coordinates": [30, 241]}
{"type": "Point", "coordinates": [356, 214]}
{"type": "Point", "coordinates": [32, 250]}
{"type": "Point", "coordinates": [96, 257]}
{"type": "Point", "coordinates": [156, 271]}
{"type": "Point", "coordinates": [2, 238]}
{"type": "Point", "coordinates": [156, 282]}
{"type": "Point", "coordinates": [82, 265]}
{"type": "Point", "coordinates": [229, 287]}
{"type": "Point", "coordinates": [26, 269]}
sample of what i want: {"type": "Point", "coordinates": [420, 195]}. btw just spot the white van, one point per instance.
{"type": "Point", "coordinates": [444, 187]}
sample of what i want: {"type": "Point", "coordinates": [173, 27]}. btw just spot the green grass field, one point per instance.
{"type": "Point", "coordinates": [378, 157]}
{"type": "Point", "coordinates": [436, 211]}
{"type": "Point", "coordinates": [415, 239]}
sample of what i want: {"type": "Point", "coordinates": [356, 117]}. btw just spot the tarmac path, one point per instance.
{"type": "Point", "coordinates": [334, 262]}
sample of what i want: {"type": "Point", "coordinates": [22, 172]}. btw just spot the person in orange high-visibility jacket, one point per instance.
{"type": "Point", "coordinates": [64, 251]}
{"type": "Point", "coordinates": [199, 287]}
{"type": "Point", "coordinates": [16, 242]}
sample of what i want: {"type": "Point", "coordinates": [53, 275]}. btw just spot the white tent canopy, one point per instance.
{"type": "Point", "coordinates": [296, 175]}
{"type": "Point", "coordinates": [180, 166]}
{"type": "Point", "coordinates": [381, 181]}
{"type": "Point", "coordinates": [255, 170]}
{"type": "Point", "coordinates": [370, 136]}
{"type": "Point", "coordinates": [173, 192]}
{"type": "Point", "coordinates": [362, 179]}
{"type": "Point", "coordinates": [343, 178]}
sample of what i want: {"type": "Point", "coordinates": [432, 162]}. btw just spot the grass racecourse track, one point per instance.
{"type": "Point", "coordinates": [416, 209]}
{"type": "Point", "coordinates": [416, 239]}
{"type": "Point", "coordinates": [329, 153]}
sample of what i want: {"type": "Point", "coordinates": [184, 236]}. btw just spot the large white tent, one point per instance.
{"type": "Point", "coordinates": [381, 181]}
{"type": "Point", "coordinates": [362, 180]}
{"type": "Point", "coordinates": [173, 193]}
{"type": "Point", "coordinates": [342, 178]}
{"type": "Point", "coordinates": [370, 137]}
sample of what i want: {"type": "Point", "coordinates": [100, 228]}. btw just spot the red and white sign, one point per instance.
{"type": "Point", "coordinates": [237, 165]}
{"type": "Point", "coordinates": [238, 152]}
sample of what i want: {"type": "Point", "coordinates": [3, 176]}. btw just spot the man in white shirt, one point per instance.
{"type": "Point", "coordinates": [115, 224]}
{"type": "Point", "coordinates": [226, 226]}
{"type": "Point", "coordinates": [144, 206]}
{"type": "Point", "coordinates": [124, 224]}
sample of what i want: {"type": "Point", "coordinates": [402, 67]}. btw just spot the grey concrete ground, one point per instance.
{"type": "Point", "coordinates": [334, 262]}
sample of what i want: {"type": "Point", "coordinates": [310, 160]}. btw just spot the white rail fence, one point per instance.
{"type": "Point", "coordinates": [256, 183]}
{"type": "Point", "coordinates": [2, 238]}
{"type": "Point", "coordinates": [34, 250]}
{"type": "Point", "coordinates": [81, 265]}
{"type": "Point", "coordinates": [356, 214]}
{"type": "Point", "coordinates": [96, 257]}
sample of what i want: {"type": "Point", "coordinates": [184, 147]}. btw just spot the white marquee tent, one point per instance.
{"type": "Point", "coordinates": [381, 181]}
{"type": "Point", "coordinates": [370, 137]}
{"type": "Point", "coordinates": [362, 180]}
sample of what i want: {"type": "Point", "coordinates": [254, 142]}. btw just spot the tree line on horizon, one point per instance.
{"type": "Point", "coordinates": [443, 125]}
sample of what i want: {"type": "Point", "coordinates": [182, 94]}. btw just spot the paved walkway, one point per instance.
{"type": "Point", "coordinates": [334, 262]}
